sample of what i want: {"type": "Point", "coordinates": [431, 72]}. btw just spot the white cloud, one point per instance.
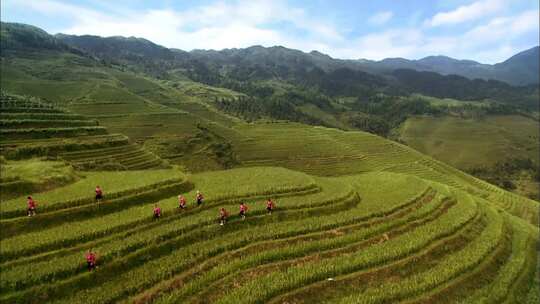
{"type": "Point", "coordinates": [494, 41]}
{"type": "Point", "coordinates": [465, 13]}
{"type": "Point", "coordinates": [245, 23]}
{"type": "Point", "coordinates": [501, 29]}
{"type": "Point", "coordinates": [218, 25]}
{"type": "Point", "coordinates": [381, 18]}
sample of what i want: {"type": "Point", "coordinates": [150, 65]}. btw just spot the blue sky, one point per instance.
{"type": "Point", "coordinates": [488, 31]}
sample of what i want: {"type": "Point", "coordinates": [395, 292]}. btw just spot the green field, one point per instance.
{"type": "Point", "coordinates": [466, 143]}
{"type": "Point", "coordinates": [418, 229]}
{"type": "Point", "coordinates": [34, 128]}
{"type": "Point", "coordinates": [33, 175]}
{"type": "Point", "coordinates": [358, 219]}
{"type": "Point", "coordinates": [416, 239]}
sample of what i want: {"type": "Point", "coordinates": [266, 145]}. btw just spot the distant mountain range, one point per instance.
{"type": "Point", "coordinates": [437, 76]}
{"type": "Point", "coordinates": [520, 69]}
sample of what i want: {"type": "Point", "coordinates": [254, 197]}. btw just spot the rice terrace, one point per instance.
{"type": "Point", "coordinates": [133, 172]}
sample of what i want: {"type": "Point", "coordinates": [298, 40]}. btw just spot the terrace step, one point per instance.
{"type": "Point", "coordinates": [47, 116]}
{"type": "Point", "coordinates": [29, 110]}
{"type": "Point", "coordinates": [39, 133]}
{"type": "Point", "coordinates": [88, 155]}
{"type": "Point", "coordinates": [147, 165]}
{"type": "Point", "coordinates": [141, 158]}
{"type": "Point", "coordinates": [43, 123]}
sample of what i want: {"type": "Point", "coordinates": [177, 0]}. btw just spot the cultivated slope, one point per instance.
{"type": "Point", "coordinates": [31, 128]}
{"type": "Point", "coordinates": [370, 238]}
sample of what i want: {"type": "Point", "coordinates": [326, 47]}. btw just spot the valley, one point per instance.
{"type": "Point", "coordinates": [375, 177]}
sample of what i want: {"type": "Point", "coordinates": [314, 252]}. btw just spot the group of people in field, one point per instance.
{"type": "Point", "coordinates": [32, 205]}
{"type": "Point", "coordinates": [91, 257]}
{"type": "Point", "coordinates": [223, 213]}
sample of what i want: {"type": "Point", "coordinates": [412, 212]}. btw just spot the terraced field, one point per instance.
{"type": "Point", "coordinates": [330, 152]}
{"type": "Point", "coordinates": [466, 143]}
{"type": "Point", "coordinates": [30, 128]}
{"type": "Point", "coordinates": [373, 237]}
{"type": "Point", "coordinates": [359, 219]}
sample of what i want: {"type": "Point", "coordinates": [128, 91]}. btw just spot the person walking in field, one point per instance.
{"type": "Point", "coordinates": [270, 206]}
{"type": "Point", "coordinates": [157, 211]}
{"type": "Point", "coordinates": [99, 194]}
{"type": "Point", "coordinates": [31, 210]}
{"type": "Point", "coordinates": [181, 202]}
{"type": "Point", "coordinates": [223, 215]}
{"type": "Point", "coordinates": [91, 260]}
{"type": "Point", "coordinates": [199, 197]}
{"type": "Point", "coordinates": [243, 210]}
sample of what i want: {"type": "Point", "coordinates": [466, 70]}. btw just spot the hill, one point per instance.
{"type": "Point", "coordinates": [156, 96]}
{"type": "Point", "coordinates": [401, 214]}
{"type": "Point", "coordinates": [500, 149]}
{"type": "Point", "coordinates": [17, 36]}
{"type": "Point", "coordinates": [520, 69]}
{"type": "Point", "coordinates": [31, 128]}
{"type": "Point", "coordinates": [244, 69]}
{"type": "Point", "coordinates": [333, 77]}
{"type": "Point", "coordinates": [358, 218]}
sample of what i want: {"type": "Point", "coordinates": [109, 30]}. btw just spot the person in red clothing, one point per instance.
{"type": "Point", "coordinates": [99, 194]}
{"type": "Point", "coordinates": [243, 210]}
{"type": "Point", "coordinates": [270, 206]}
{"type": "Point", "coordinates": [157, 211]}
{"type": "Point", "coordinates": [91, 260]}
{"type": "Point", "coordinates": [181, 202]}
{"type": "Point", "coordinates": [199, 197]}
{"type": "Point", "coordinates": [223, 214]}
{"type": "Point", "coordinates": [31, 210]}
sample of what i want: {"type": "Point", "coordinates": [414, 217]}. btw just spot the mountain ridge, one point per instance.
{"type": "Point", "coordinates": [515, 70]}
{"type": "Point", "coordinates": [249, 70]}
{"type": "Point", "coordinates": [518, 70]}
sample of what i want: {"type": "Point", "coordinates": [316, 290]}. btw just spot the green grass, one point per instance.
{"type": "Point", "coordinates": [477, 143]}
{"type": "Point", "coordinates": [44, 123]}
{"type": "Point", "coordinates": [280, 251]}
{"type": "Point", "coordinates": [468, 143]}
{"type": "Point", "coordinates": [37, 133]}
{"type": "Point", "coordinates": [209, 217]}
{"type": "Point", "coordinates": [202, 91]}
{"type": "Point", "coordinates": [449, 102]}
{"type": "Point", "coordinates": [33, 133]}
{"type": "Point", "coordinates": [319, 222]}
{"type": "Point", "coordinates": [383, 221]}
{"type": "Point", "coordinates": [152, 125]}
{"type": "Point", "coordinates": [111, 182]}
{"type": "Point", "coordinates": [269, 285]}
{"type": "Point", "coordinates": [21, 148]}
{"type": "Point", "coordinates": [26, 177]}
{"type": "Point", "coordinates": [316, 112]}
{"type": "Point", "coordinates": [41, 116]}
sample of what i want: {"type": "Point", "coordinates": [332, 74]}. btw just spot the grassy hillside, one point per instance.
{"type": "Point", "coordinates": [359, 218]}
{"type": "Point", "coordinates": [31, 127]}
{"type": "Point", "coordinates": [370, 208]}
{"type": "Point", "coordinates": [493, 147]}
{"type": "Point", "coordinates": [466, 143]}
{"type": "Point", "coordinates": [419, 239]}
{"type": "Point", "coordinates": [33, 176]}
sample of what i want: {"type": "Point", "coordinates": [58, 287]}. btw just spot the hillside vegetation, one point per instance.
{"type": "Point", "coordinates": [423, 240]}
{"type": "Point", "coordinates": [31, 128]}
{"type": "Point", "coordinates": [359, 218]}
{"type": "Point", "coordinates": [500, 149]}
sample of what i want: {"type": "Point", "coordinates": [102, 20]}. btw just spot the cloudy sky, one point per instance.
{"type": "Point", "coordinates": [488, 31]}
